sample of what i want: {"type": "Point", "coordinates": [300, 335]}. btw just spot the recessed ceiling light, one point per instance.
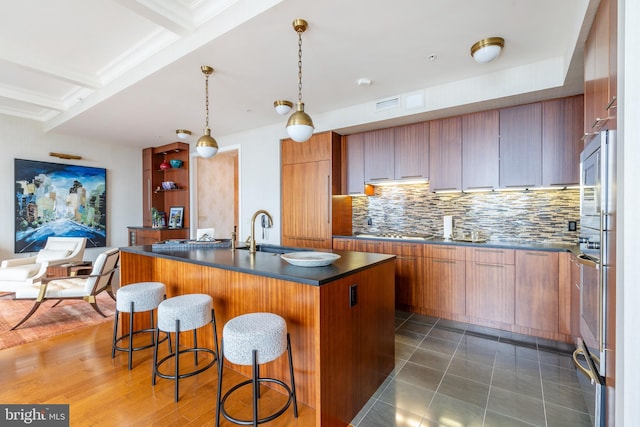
{"type": "Point", "coordinates": [363, 82]}
{"type": "Point", "coordinates": [432, 57]}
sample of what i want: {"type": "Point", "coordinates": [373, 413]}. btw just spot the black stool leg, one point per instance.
{"type": "Point", "coordinates": [130, 335]}
{"type": "Point", "coordinates": [177, 353]}
{"type": "Point", "coordinates": [256, 387]}
{"type": "Point", "coordinates": [115, 334]}
{"type": "Point", "coordinates": [155, 356]}
{"type": "Point", "coordinates": [220, 365]}
{"type": "Point", "coordinates": [293, 382]}
{"type": "Point", "coordinates": [195, 345]}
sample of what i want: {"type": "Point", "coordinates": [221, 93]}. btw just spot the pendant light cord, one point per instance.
{"type": "Point", "coordinates": [206, 103]}
{"type": "Point", "coordinates": [300, 65]}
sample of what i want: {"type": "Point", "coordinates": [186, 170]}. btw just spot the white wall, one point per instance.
{"type": "Point", "coordinates": [24, 139]}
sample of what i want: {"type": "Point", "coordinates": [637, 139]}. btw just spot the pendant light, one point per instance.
{"type": "Point", "coordinates": [206, 145]}
{"type": "Point", "coordinates": [299, 125]}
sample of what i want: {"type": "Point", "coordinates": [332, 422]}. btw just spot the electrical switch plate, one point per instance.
{"type": "Point", "coordinates": [353, 295]}
{"type": "Point", "coordinates": [573, 226]}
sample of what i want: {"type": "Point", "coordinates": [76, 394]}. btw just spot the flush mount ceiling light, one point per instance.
{"type": "Point", "coordinates": [183, 133]}
{"type": "Point", "coordinates": [299, 125]}
{"type": "Point", "coordinates": [282, 107]}
{"type": "Point", "coordinates": [206, 145]}
{"type": "Point", "coordinates": [486, 50]}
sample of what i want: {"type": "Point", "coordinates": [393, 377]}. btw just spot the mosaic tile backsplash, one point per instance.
{"type": "Point", "coordinates": [536, 217]}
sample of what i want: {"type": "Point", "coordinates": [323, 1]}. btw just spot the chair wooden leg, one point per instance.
{"type": "Point", "coordinates": [33, 310]}
{"type": "Point", "coordinates": [96, 308]}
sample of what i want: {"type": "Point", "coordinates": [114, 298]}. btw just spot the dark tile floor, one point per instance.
{"type": "Point", "coordinates": [454, 374]}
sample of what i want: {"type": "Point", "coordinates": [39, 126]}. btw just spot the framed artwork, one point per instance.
{"type": "Point", "coordinates": [53, 199]}
{"type": "Point", "coordinates": [175, 216]}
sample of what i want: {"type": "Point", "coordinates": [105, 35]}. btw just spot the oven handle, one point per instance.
{"type": "Point", "coordinates": [588, 262]}
{"type": "Point", "coordinates": [590, 371]}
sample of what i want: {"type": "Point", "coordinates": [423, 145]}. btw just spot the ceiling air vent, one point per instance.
{"type": "Point", "coordinates": [387, 104]}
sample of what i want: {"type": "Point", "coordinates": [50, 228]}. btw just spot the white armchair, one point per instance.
{"type": "Point", "coordinates": [18, 272]}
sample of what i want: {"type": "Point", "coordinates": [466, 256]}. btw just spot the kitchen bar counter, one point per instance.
{"type": "Point", "coordinates": [551, 247]}
{"type": "Point", "coordinates": [340, 317]}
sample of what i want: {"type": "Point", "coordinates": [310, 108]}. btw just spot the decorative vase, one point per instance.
{"type": "Point", "coordinates": [165, 165]}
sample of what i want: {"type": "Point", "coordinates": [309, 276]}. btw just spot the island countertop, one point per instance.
{"type": "Point", "coordinates": [267, 264]}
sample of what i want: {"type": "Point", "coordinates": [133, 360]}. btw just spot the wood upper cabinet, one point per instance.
{"type": "Point", "coordinates": [562, 141]}
{"type": "Point", "coordinates": [445, 154]}
{"type": "Point", "coordinates": [481, 150]}
{"type": "Point", "coordinates": [600, 69]}
{"type": "Point", "coordinates": [490, 277]}
{"type": "Point", "coordinates": [537, 290]}
{"type": "Point", "coordinates": [311, 173]}
{"type": "Point", "coordinates": [521, 146]}
{"type": "Point", "coordinates": [379, 155]}
{"type": "Point", "coordinates": [411, 151]}
{"type": "Point", "coordinates": [444, 268]}
{"type": "Point", "coordinates": [355, 163]}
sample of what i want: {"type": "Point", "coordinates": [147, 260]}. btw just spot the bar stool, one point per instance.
{"type": "Point", "coordinates": [251, 340]}
{"type": "Point", "coordinates": [136, 298]}
{"type": "Point", "coordinates": [180, 314]}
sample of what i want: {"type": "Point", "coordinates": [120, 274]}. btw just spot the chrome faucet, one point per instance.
{"type": "Point", "coordinates": [252, 238]}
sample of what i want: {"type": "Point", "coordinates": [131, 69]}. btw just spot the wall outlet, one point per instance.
{"type": "Point", "coordinates": [369, 221]}
{"type": "Point", "coordinates": [573, 226]}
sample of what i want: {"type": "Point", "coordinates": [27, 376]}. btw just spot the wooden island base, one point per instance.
{"type": "Point", "coordinates": [341, 352]}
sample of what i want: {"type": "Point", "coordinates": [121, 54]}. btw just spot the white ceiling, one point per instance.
{"type": "Point", "coordinates": [95, 68]}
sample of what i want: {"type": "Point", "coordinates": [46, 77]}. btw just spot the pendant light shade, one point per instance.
{"type": "Point", "coordinates": [206, 145]}
{"type": "Point", "coordinates": [300, 126]}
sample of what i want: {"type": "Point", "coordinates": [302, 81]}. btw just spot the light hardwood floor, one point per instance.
{"type": "Point", "coordinates": [76, 369]}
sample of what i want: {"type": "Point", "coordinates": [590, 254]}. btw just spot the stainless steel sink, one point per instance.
{"type": "Point", "coordinates": [274, 249]}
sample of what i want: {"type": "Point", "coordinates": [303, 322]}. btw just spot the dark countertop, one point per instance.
{"type": "Point", "coordinates": [551, 247]}
{"type": "Point", "coordinates": [267, 264]}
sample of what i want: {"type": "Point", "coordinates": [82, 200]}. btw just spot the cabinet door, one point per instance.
{"type": "Point", "coordinates": [345, 244]}
{"type": "Point", "coordinates": [445, 154]}
{"type": "Point", "coordinates": [562, 141]}
{"type": "Point", "coordinates": [408, 273]}
{"type": "Point", "coordinates": [306, 202]}
{"type": "Point", "coordinates": [537, 290]}
{"type": "Point", "coordinates": [481, 150]}
{"type": "Point", "coordinates": [355, 163]}
{"type": "Point", "coordinates": [378, 155]}
{"type": "Point", "coordinates": [411, 145]}
{"type": "Point", "coordinates": [521, 146]}
{"type": "Point", "coordinates": [575, 296]}
{"type": "Point", "coordinates": [490, 292]}
{"type": "Point", "coordinates": [445, 285]}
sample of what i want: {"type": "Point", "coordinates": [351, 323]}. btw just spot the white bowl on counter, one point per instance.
{"type": "Point", "coordinates": [310, 259]}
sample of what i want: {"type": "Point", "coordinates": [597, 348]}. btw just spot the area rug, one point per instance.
{"type": "Point", "coordinates": [48, 320]}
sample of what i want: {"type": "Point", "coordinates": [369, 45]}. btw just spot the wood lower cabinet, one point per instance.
{"type": "Point", "coordinates": [408, 274]}
{"type": "Point", "coordinates": [444, 268]}
{"type": "Point", "coordinates": [148, 235]}
{"type": "Point", "coordinates": [537, 290]}
{"type": "Point", "coordinates": [490, 285]}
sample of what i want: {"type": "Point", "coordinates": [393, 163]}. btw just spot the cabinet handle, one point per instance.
{"type": "Point", "coordinates": [404, 257]}
{"type": "Point", "coordinates": [610, 105]}
{"type": "Point", "coordinates": [446, 248]}
{"type": "Point", "coordinates": [445, 189]}
{"type": "Point", "coordinates": [493, 251]}
{"type": "Point", "coordinates": [411, 176]}
{"type": "Point", "coordinates": [520, 185]}
{"type": "Point", "coordinates": [490, 265]}
{"type": "Point", "coordinates": [328, 199]}
{"type": "Point", "coordinates": [488, 187]}
{"type": "Point", "coordinates": [536, 254]}
{"type": "Point", "coordinates": [378, 179]}
{"type": "Point", "coordinates": [443, 261]}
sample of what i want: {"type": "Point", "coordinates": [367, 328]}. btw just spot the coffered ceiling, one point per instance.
{"type": "Point", "coordinates": [129, 70]}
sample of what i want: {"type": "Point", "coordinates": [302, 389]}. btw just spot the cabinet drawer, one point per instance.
{"type": "Point", "coordinates": [405, 250]}
{"type": "Point", "coordinates": [490, 255]}
{"type": "Point", "coordinates": [445, 252]}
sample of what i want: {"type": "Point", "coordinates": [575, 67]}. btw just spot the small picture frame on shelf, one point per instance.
{"type": "Point", "coordinates": [175, 216]}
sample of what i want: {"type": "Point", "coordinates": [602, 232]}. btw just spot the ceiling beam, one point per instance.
{"type": "Point", "coordinates": [168, 14]}
{"type": "Point", "coordinates": [31, 98]}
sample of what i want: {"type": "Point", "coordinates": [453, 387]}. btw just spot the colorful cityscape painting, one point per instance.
{"type": "Point", "coordinates": [55, 199]}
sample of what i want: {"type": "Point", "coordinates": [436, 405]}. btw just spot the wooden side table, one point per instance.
{"type": "Point", "coordinates": [75, 268]}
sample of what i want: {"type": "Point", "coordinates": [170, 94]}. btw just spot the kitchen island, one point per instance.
{"type": "Point", "coordinates": [340, 317]}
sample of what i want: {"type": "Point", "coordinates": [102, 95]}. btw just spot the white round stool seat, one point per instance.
{"type": "Point", "coordinates": [145, 296]}
{"type": "Point", "coordinates": [193, 311]}
{"type": "Point", "coordinates": [264, 332]}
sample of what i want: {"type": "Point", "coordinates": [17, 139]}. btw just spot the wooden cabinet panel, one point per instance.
{"type": "Point", "coordinates": [445, 154]}
{"type": "Point", "coordinates": [521, 146]}
{"type": "Point", "coordinates": [445, 252]}
{"type": "Point", "coordinates": [575, 296]}
{"type": "Point", "coordinates": [345, 244]}
{"type": "Point", "coordinates": [537, 290]}
{"type": "Point", "coordinates": [490, 292]}
{"type": "Point", "coordinates": [306, 201]}
{"type": "Point", "coordinates": [317, 148]}
{"type": "Point", "coordinates": [148, 236]}
{"type": "Point", "coordinates": [411, 151]}
{"type": "Point", "coordinates": [481, 150]}
{"type": "Point", "coordinates": [565, 286]}
{"type": "Point", "coordinates": [355, 163]}
{"type": "Point", "coordinates": [445, 285]}
{"type": "Point", "coordinates": [490, 255]}
{"type": "Point", "coordinates": [379, 155]}
{"type": "Point", "coordinates": [562, 140]}
{"type": "Point", "coordinates": [409, 273]}
{"type": "Point", "coordinates": [147, 186]}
